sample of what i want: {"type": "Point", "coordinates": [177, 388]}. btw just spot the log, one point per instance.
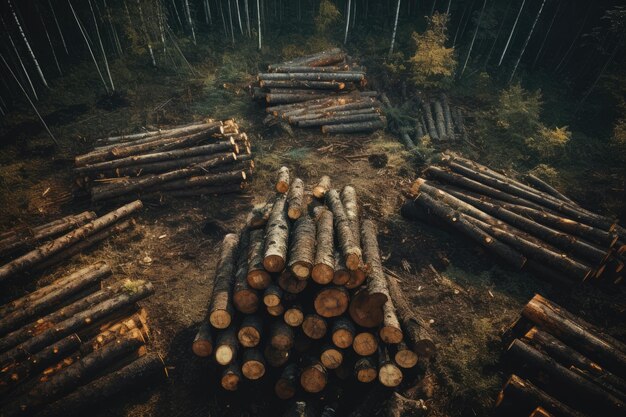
{"type": "Point", "coordinates": [342, 274]}
{"type": "Point", "coordinates": [405, 357]}
{"type": "Point", "coordinates": [291, 284]}
{"type": "Point", "coordinates": [275, 357]}
{"type": "Point", "coordinates": [257, 277]}
{"type": "Point", "coordinates": [209, 180]}
{"type": "Point", "coordinates": [547, 188]}
{"type": "Point", "coordinates": [331, 357]}
{"type": "Point", "coordinates": [415, 331]}
{"type": "Point", "coordinates": [302, 247]}
{"type": "Point", "coordinates": [250, 331]}
{"type": "Point", "coordinates": [573, 388]}
{"type": "Point", "coordinates": [314, 376]}
{"type": "Point", "coordinates": [147, 368]}
{"type": "Point", "coordinates": [133, 292]}
{"type": "Point", "coordinates": [180, 130]}
{"type": "Point", "coordinates": [349, 250]}
{"type": "Point", "coordinates": [317, 85]}
{"type": "Point", "coordinates": [314, 326]}
{"type": "Point", "coordinates": [350, 203]}
{"type": "Point", "coordinates": [284, 98]}
{"type": "Point", "coordinates": [331, 301]}
{"type": "Point", "coordinates": [281, 335]}
{"type": "Point", "coordinates": [226, 346]}
{"type": "Point", "coordinates": [365, 343]}
{"type": "Point", "coordinates": [259, 215]}
{"type": "Point", "coordinates": [286, 385]}
{"type": "Point", "coordinates": [276, 237]}
{"type": "Point", "coordinates": [322, 113]}
{"type": "Point", "coordinates": [202, 345]}
{"type": "Point", "coordinates": [322, 187]}
{"type": "Point", "coordinates": [231, 376]}
{"type": "Point", "coordinates": [295, 199]}
{"type": "Point", "coordinates": [388, 372]}
{"type": "Point", "coordinates": [337, 119]}
{"type": "Point", "coordinates": [283, 182]}
{"type": "Point", "coordinates": [448, 116]}
{"type": "Point", "coordinates": [342, 332]}
{"type": "Point", "coordinates": [46, 251]}
{"type": "Point", "coordinates": [607, 352]}
{"type": "Point", "coordinates": [307, 68]}
{"type": "Point", "coordinates": [253, 364]}
{"type": "Point", "coordinates": [245, 298]}
{"type": "Point", "coordinates": [295, 91]}
{"type": "Point", "coordinates": [430, 122]}
{"type": "Point", "coordinates": [272, 295]}
{"type": "Point", "coordinates": [221, 305]}
{"type": "Point", "coordinates": [320, 59]}
{"type": "Point", "coordinates": [324, 263]}
{"type": "Point", "coordinates": [276, 311]}
{"type": "Point", "coordinates": [440, 121]}
{"type": "Point", "coordinates": [345, 76]}
{"type": "Point", "coordinates": [70, 286]}
{"type": "Point", "coordinates": [300, 409]}
{"type": "Point", "coordinates": [355, 127]}
{"type": "Point", "coordinates": [197, 191]}
{"type": "Point", "coordinates": [294, 316]}
{"type": "Point", "coordinates": [365, 369]}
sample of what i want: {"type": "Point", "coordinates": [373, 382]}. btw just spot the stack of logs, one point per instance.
{"type": "Point", "coordinates": [320, 91]}
{"type": "Point", "coordinates": [71, 343]}
{"type": "Point", "coordinates": [211, 157]}
{"type": "Point", "coordinates": [300, 293]}
{"type": "Point", "coordinates": [532, 227]}
{"type": "Point", "coordinates": [32, 249]}
{"type": "Point", "coordinates": [562, 366]}
{"type": "Point", "coordinates": [439, 120]}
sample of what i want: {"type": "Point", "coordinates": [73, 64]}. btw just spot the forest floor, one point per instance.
{"type": "Point", "coordinates": [468, 298]}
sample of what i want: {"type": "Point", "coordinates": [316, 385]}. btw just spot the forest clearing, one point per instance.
{"type": "Point", "coordinates": [312, 208]}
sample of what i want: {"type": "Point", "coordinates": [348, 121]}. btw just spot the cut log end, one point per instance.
{"type": "Point", "coordinates": [259, 279]}
{"type": "Point", "coordinates": [390, 375]}
{"type": "Point", "coordinates": [323, 274]}
{"type": "Point", "coordinates": [274, 263]}
{"type": "Point", "coordinates": [220, 319]}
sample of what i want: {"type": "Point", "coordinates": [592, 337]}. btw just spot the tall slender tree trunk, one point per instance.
{"type": "Point", "coordinates": [230, 19]}
{"type": "Point", "coordinates": [223, 18]}
{"type": "Point", "coordinates": [180, 22]}
{"type": "Point", "coordinates": [395, 28]}
{"type": "Point", "coordinates": [193, 30]}
{"type": "Point", "coordinates": [458, 27]}
{"type": "Point", "coordinates": [30, 50]}
{"type": "Point", "coordinates": [448, 7]}
{"type": "Point", "coordinates": [545, 38]}
{"type": "Point", "coordinates": [353, 18]}
{"type": "Point", "coordinates": [345, 37]}
{"type": "Point", "coordinates": [467, 20]}
{"type": "Point", "coordinates": [432, 9]}
{"type": "Point", "coordinates": [530, 34]}
{"type": "Point", "coordinates": [601, 73]}
{"type": "Point", "coordinates": [571, 46]}
{"type": "Point", "coordinates": [258, 18]}
{"type": "Point", "coordinates": [508, 41]}
{"type": "Point", "coordinates": [104, 55]}
{"type": "Point", "coordinates": [247, 7]}
{"type": "Point", "coordinates": [45, 29]}
{"type": "Point", "coordinates": [56, 21]}
{"type": "Point", "coordinates": [208, 9]}
{"type": "Point", "coordinates": [19, 58]}
{"type": "Point", "coordinates": [469, 52]}
{"type": "Point", "coordinates": [495, 41]}
{"type": "Point", "coordinates": [145, 33]}
{"type": "Point", "coordinates": [239, 17]}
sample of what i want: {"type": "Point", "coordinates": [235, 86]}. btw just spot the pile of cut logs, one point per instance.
{"type": "Point", "coordinates": [562, 366]}
{"type": "Point", "coordinates": [529, 226]}
{"type": "Point", "coordinates": [439, 120]}
{"type": "Point", "coordinates": [33, 249]}
{"type": "Point", "coordinates": [211, 157]}
{"type": "Point", "coordinates": [301, 289]}
{"type": "Point", "coordinates": [71, 343]}
{"type": "Point", "coordinates": [320, 91]}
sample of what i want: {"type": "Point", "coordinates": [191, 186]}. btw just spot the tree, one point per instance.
{"type": "Point", "coordinates": [508, 41]}
{"type": "Point", "coordinates": [530, 34]}
{"type": "Point", "coordinates": [469, 52]}
{"type": "Point", "coordinates": [395, 28]}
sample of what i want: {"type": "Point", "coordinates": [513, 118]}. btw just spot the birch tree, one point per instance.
{"type": "Point", "coordinates": [104, 55]}
{"type": "Point", "coordinates": [19, 58]}
{"type": "Point", "coordinates": [508, 41]}
{"type": "Point", "coordinates": [469, 52]}
{"type": "Point", "coordinates": [56, 21]}
{"type": "Point", "coordinates": [395, 28]}
{"type": "Point", "coordinates": [25, 39]}
{"type": "Point", "coordinates": [345, 38]}
{"type": "Point", "coordinates": [258, 18]}
{"type": "Point", "coordinates": [530, 34]}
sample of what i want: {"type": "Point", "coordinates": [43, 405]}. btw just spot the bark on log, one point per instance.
{"type": "Point", "coordinates": [314, 326]}
{"type": "Point", "coordinates": [295, 199]}
{"type": "Point", "coordinates": [440, 121]}
{"type": "Point", "coordinates": [48, 250]}
{"type": "Point", "coordinates": [448, 116]}
{"type": "Point", "coordinates": [365, 343]}
{"type": "Point", "coordinates": [365, 369]}
{"type": "Point", "coordinates": [196, 191]}
{"type": "Point", "coordinates": [272, 295]}
{"type": "Point", "coordinates": [547, 188]}
{"type": "Point", "coordinates": [345, 76]}
{"type": "Point", "coordinates": [388, 373]}
{"type": "Point", "coordinates": [322, 187]}
{"type": "Point", "coordinates": [331, 357]}
{"type": "Point", "coordinates": [414, 329]}
{"type": "Point", "coordinates": [349, 250]}
{"type": "Point", "coordinates": [221, 304]}
{"type": "Point", "coordinates": [257, 277]}
{"type": "Point", "coordinates": [276, 311]}
{"type": "Point", "coordinates": [314, 377]}
{"type": "Point", "coordinates": [324, 264]}
{"type": "Point", "coordinates": [202, 345]}
{"type": "Point", "coordinates": [286, 385]}
{"type": "Point", "coordinates": [226, 346]}
{"type": "Point", "coordinates": [317, 85]}
{"type": "Point", "coordinates": [172, 132]}
{"type": "Point", "coordinates": [342, 274]}
{"type": "Point", "coordinates": [342, 332]}
{"type": "Point", "coordinates": [323, 113]}
{"type": "Point", "coordinates": [231, 376]}
{"type": "Point", "coordinates": [209, 180]}
{"type": "Point", "coordinates": [294, 316]}
{"type": "Point", "coordinates": [307, 68]}
{"type": "Point", "coordinates": [404, 356]}
{"type": "Point", "coordinates": [350, 203]}
{"type": "Point", "coordinates": [302, 248]}
{"type": "Point", "coordinates": [294, 91]}
{"type": "Point", "coordinates": [320, 59]}
{"type": "Point", "coordinates": [245, 298]}
{"type": "Point", "coordinates": [282, 181]}
{"type": "Point", "coordinates": [336, 120]}
{"type": "Point", "coordinates": [430, 122]}
{"type": "Point", "coordinates": [281, 335]}
{"type": "Point", "coordinates": [282, 98]}
{"type": "Point", "coordinates": [253, 364]}
{"type": "Point", "coordinates": [250, 331]}
{"type": "Point", "coordinates": [277, 237]}
{"type": "Point", "coordinates": [331, 301]}
{"type": "Point", "coordinates": [355, 127]}
{"type": "Point", "coordinates": [291, 284]}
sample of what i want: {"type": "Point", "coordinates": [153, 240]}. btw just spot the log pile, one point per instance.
{"type": "Point", "coordinates": [300, 298]}
{"type": "Point", "coordinates": [439, 120]}
{"type": "Point", "coordinates": [32, 249]}
{"type": "Point", "coordinates": [212, 157]}
{"type": "Point", "coordinates": [531, 228]}
{"type": "Point", "coordinates": [76, 340]}
{"type": "Point", "coordinates": [562, 366]}
{"type": "Point", "coordinates": [322, 91]}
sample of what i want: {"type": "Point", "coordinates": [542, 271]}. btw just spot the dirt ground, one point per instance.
{"type": "Point", "coordinates": [468, 298]}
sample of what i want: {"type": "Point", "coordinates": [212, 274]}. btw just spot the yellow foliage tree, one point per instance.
{"type": "Point", "coordinates": [547, 142]}
{"type": "Point", "coordinates": [433, 64]}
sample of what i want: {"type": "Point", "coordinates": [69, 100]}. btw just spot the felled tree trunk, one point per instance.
{"type": "Point", "coordinates": [231, 376]}
{"type": "Point", "coordinates": [202, 345]}
{"type": "Point", "coordinates": [365, 369]}
{"type": "Point", "coordinates": [388, 372]}
{"type": "Point", "coordinates": [355, 127]}
{"type": "Point", "coordinates": [272, 295]}
{"type": "Point", "coordinates": [430, 122]}
{"type": "Point", "coordinates": [405, 357]}
{"type": "Point", "coordinates": [547, 188]}
{"type": "Point", "coordinates": [322, 187]}
{"type": "Point", "coordinates": [440, 120]}
{"type": "Point", "coordinates": [337, 120]}
{"type": "Point", "coordinates": [250, 331]}
{"type": "Point", "coordinates": [245, 298]}
{"type": "Point", "coordinates": [277, 236]}
{"type": "Point", "coordinates": [282, 182]}
{"type": "Point", "coordinates": [342, 332]}
{"type": "Point", "coordinates": [365, 343]}
{"type": "Point", "coordinates": [226, 346]}
{"type": "Point", "coordinates": [324, 58]}
{"type": "Point", "coordinates": [324, 264]}
{"type": "Point", "coordinates": [281, 335]}
{"type": "Point", "coordinates": [318, 85]}
{"type": "Point", "coordinates": [350, 251]}
{"type": "Point", "coordinates": [350, 203]}
{"type": "Point", "coordinates": [314, 326]}
{"type": "Point", "coordinates": [313, 377]}
{"type": "Point", "coordinates": [345, 76]}
{"type": "Point", "coordinates": [331, 357]}
{"type": "Point", "coordinates": [448, 116]}
{"type": "Point", "coordinates": [331, 301]}
{"type": "Point", "coordinates": [290, 283]}
{"type": "Point", "coordinates": [295, 199]}
{"type": "Point", "coordinates": [253, 364]}
{"type": "Point", "coordinates": [283, 98]}
{"type": "Point", "coordinates": [302, 248]}
{"type": "Point", "coordinates": [294, 316]}
{"type": "Point", "coordinates": [221, 305]}
{"type": "Point", "coordinates": [257, 277]}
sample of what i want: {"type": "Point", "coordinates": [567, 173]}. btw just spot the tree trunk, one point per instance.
{"type": "Point", "coordinates": [350, 251]}
{"type": "Point", "coordinates": [365, 343]}
{"type": "Point", "coordinates": [282, 182]}
{"type": "Point", "coordinates": [314, 377]}
{"type": "Point", "coordinates": [272, 295]}
{"type": "Point", "coordinates": [324, 263]}
{"type": "Point", "coordinates": [331, 357]}
{"type": "Point", "coordinates": [331, 301]}
{"type": "Point", "coordinates": [302, 248]}
{"type": "Point", "coordinates": [395, 28]}
{"type": "Point", "coordinates": [336, 120]}
{"type": "Point", "coordinates": [388, 372]}
{"type": "Point", "coordinates": [231, 376]}
{"type": "Point", "coordinates": [221, 306]}
{"type": "Point", "coordinates": [430, 122]}
{"type": "Point", "coordinates": [226, 346]}
{"type": "Point", "coordinates": [294, 316]}
{"type": "Point", "coordinates": [469, 52]}
{"type": "Point", "coordinates": [440, 120]}
{"type": "Point", "coordinates": [257, 277]}
{"type": "Point", "coordinates": [508, 41]}
{"type": "Point", "coordinates": [295, 97]}
{"type": "Point", "coordinates": [405, 357]}
{"type": "Point", "coordinates": [275, 357]}
{"type": "Point", "coordinates": [202, 344]}
{"type": "Point", "coordinates": [245, 298]}
{"type": "Point", "coordinates": [295, 200]}
{"type": "Point", "coordinates": [348, 11]}
{"type": "Point", "coordinates": [250, 331]}
{"type": "Point", "coordinates": [322, 86]}
{"type": "Point", "coordinates": [343, 332]}
{"type": "Point", "coordinates": [547, 188]}
{"type": "Point", "coordinates": [343, 76]}
{"type": "Point", "coordinates": [447, 116]}
{"type": "Point", "coordinates": [530, 34]}
{"type": "Point", "coordinates": [253, 364]}
{"type": "Point", "coordinates": [30, 51]}
{"type": "Point", "coordinates": [281, 335]}
{"type": "Point", "coordinates": [365, 369]}
{"type": "Point", "coordinates": [314, 326]}
{"type": "Point", "coordinates": [277, 234]}
{"type": "Point", "coordinates": [321, 59]}
{"type": "Point", "coordinates": [291, 284]}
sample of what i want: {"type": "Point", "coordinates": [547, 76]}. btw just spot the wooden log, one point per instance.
{"type": "Point", "coordinates": [245, 298]}
{"type": "Point", "coordinates": [337, 120]}
{"type": "Point", "coordinates": [440, 121]}
{"type": "Point", "coordinates": [290, 283]}
{"type": "Point", "coordinates": [331, 301]}
{"type": "Point", "coordinates": [345, 76]}
{"type": "Point", "coordinates": [48, 250]}
{"type": "Point", "coordinates": [547, 188]}
{"type": "Point", "coordinates": [276, 311]}
{"type": "Point", "coordinates": [419, 132]}
{"type": "Point", "coordinates": [178, 130]}
{"type": "Point", "coordinates": [253, 364]}
{"type": "Point", "coordinates": [221, 304]}
{"type": "Point", "coordinates": [579, 390]}
{"type": "Point", "coordinates": [415, 331]}
{"type": "Point", "coordinates": [250, 331]}
{"type": "Point", "coordinates": [349, 250]}
{"type": "Point", "coordinates": [322, 187]}
{"type": "Point", "coordinates": [272, 295]}
{"type": "Point", "coordinates": [342, 332]}
{"type": "Point", "coordinates": [311, 84]}
{"type": "Point", "coordinates": [314, 376]}
{"type": "Point", "coordinates": [365, 343]}
{"type": "Point", "coordinates": [294, 316]}
{"type": "Point", "coordinates": [388, 372]}
{"type": "Point", "coordinates": [285, 98]}
{"type": "Point", "coordinates": [202, 345]}
{"type": "Point", "coordinates": [295, 199]}
{"type": "Point", "coordinates": [365, 369]}
{"type": "Point", "coordinates": [208, 180]}
{"type": "Point", "coordinates": [606, 351]}
{"type": "Point", "coordinates": [342, 274]}
{"type": "Point", "coordinates": [405, 357]}
{"type": "Point", "coordinates": [197, 191]}
{"type": "Point", "coordinates": [307, 68]}
{"type": "Point", "coordinates": [231, 376]}
{"type": "Point", "coordinates": [286, 385]}
{"type": "Point", "coordinates": [324, 264]}
{"type": "Point", "coordinates": [314, 326]}
{"type": "Point", "coordinates": [320, 59]}
{"type": "Point", "coordinates": [282, 181]}
{"type": "Point", "coordinates": [226, 346]}
{"type": "Point", "coordinates": [350, 203]}
{"type": "Point", "coordinates": [275, 357]}
{"type": "Point", "coordinates": [73, 284]}
{"type": "Point", "coordinates": [322, 113]}
{"type": "Point", "coordinates": [356, 127]}
{"type": "Point", "coordinates": [302, 247]}
{"type": "Point", "coordinates": [430, 122]}
{"type": "Point", "coordinates": [281, 335]}
{"type": "Point", "coordinates": [276, 237]}
{"type": "Point", "coordinates": [303, 91]}
{"type": "Point", "coordinates": [448, 116]}
{"type": "Point", "coordinates": [257, 276]}
{"type": "Point", "coordinates": [331, 357]}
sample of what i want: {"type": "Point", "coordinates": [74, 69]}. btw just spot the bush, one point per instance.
{"type": "Point", "coordinates": [327, 16]}
{"type": "Point", "coordinates": [548, 141]}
